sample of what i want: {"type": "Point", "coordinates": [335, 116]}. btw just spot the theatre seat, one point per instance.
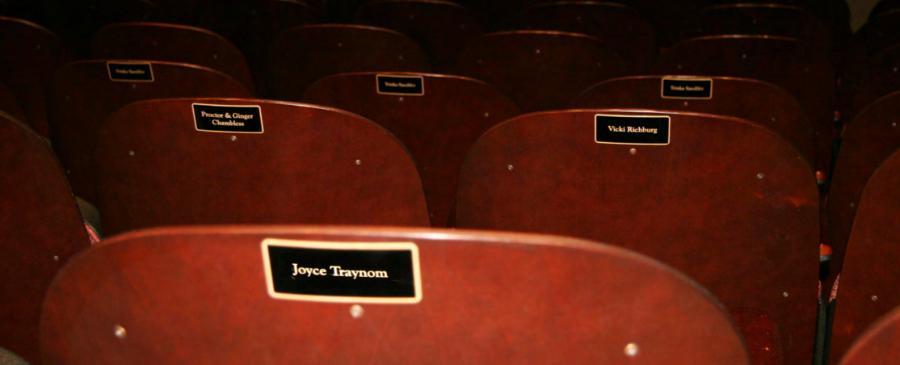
{"type": "Point", "coordinates": [788, 20]}
{"type": "Point", "coordinates": [40, 228]}
{"type": "Point", "coordinates": [85, 93]}
{"type": "Point", "coordinates": [427, 116]}
{"type": "Point", "coordinates": [730, 96]}
{"type": "Point", "coordinates": [869, 279]}
{"type": "Point", "coordinates": [878, 34]}
{"type": "Point", "coordinates": [171, 42]}
{"type": "Point", "coordinates": [539, 70]}
{"type": "Point", "coordinates": [618, 26]}
{"type": "Point", "coordinates": [29, 54]}
{"type": "Point", "coordinates": [879, 344]}
{"type": "Point", "coordinates": [246, 161]}
{"type": "Point", "coordinates": [804, 71]}
{"type": "Point", "coordinates": [224, 294]}
{"type": "Point", "coordinates": [729, 202]}
{"type": "Point", "coordinates": [868, 140]}
{"type": "Point", "coordinates": [880, 76]}
{"type": "Point", "coordinates": [442, 28]}
{"type": "Point", "coordinates": [301, 55]}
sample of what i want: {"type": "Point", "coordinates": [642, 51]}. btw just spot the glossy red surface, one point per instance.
{"type": "Point", "coordinates": [311, 165]}
{"type": "Point", "coordinates": [868, 285]}
{"type": "Point", "coordinates": [438, 127]}
{"type": "Point", "coordinates": [200, 294]}
{"type": "Point", "coordinates": [40, 228]}
{"type": "Point", "coordinates": [744, 225]}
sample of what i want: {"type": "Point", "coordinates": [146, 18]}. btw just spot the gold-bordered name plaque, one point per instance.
{"type": "Point", "coordinates": [342, 272]}
{"type": "Point", "coordinates": [400, 84]}
{"type": "Point", "coordinates": [686, 88]}
{"type": "Point", "coordinates": [652, 130]}
{"type": "Point", "coordinates": [217, 118]}
{"type": "Point", "coordinates": [130, 71]}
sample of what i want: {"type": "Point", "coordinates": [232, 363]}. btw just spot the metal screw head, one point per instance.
{"type": "Point", "coordinates": [55, 258]}
{"type": "Point", "coordinates": [119, 332]}
{"type": "Point", "coordinates": [633, 151]}
{"type": "Point", "coordinates": [895, 69]}
{"type": "Point", "coordinates": [400, 99]}
{"type": "Point", "coordinates": [131, 152]}
{"type": "Point", "coordinates": [631, 349]}
{"type": "Point", "coordinates": [401, 58]}
{"type": "Point", "coordinates": [679, 67]}
{"type": "Point", "coordinates": [874, 298]}
{"type": "Point", "coordinates": [356, 311]}
{"type": "Point", "coordinates": [215, 56]}
{"type": "Point", "coordinates": [743, 56]}
{"type": "Point", "coordinates": [340, 44]}
{"type": "Point", "coordinates": [487, 114]}
{"type": "Point", "coordinates": [785, 294]}
{"type": "Point", "coordinates": [233, 138]}
{"type": "Point", "coordinates": [133, 86]}
{"type": "Point", "coordinates": [357, 162]}
{"type": "Point", "coordinates": [852, 205]}
{"type": "Point", "coordinates": [760, 175]}
{"type": "Point", "coordinates": [685, 103]}
{"type": "Point", "coordinates": [537, 51]}
{"type": "Point", "coordinates": [479, 61]}
{"type": "Point", "coordinates": [893, 124]}
{"type": "Point", "coordinates": [509, 167]}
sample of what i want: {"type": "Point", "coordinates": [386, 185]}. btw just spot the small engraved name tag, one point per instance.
{"type": "Point", "coordinates": [227, 118]}
{"type": "Point", "coordinates": [342, 272]}
{"type": "Point", "coordinates": [130, 71]}
{"type": "Point", "coordinates": [400, 85]}
{"type": "Point", "coordinates": [684, 88]}
{"type": "Point", "coordinates": [631, 129]}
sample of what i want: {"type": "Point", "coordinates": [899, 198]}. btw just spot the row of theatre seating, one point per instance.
{"type": "Point", "coordinates": [728, 153]}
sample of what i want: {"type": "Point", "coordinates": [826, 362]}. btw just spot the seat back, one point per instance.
{"type": "Point", "coordinates": [868, 283]}
{"type": "Point", "coordinates": [868, 141]}
{"type": "Point", "coordinates": [426, 116]}
{"type": "Point", "coordinates": [85, 93]}
{"type": "Point", "coordinates": [803, 71]}
{"type": "Point", "coordinates": [269, 162]}
{"type": "Point", "coordinates": [730, 96]}
{"type": "Point", "coordinates": [29, 53]}
{"type": "Point", "coordinates": [619, 27]}
{"type": "Point", "coordinates": [414, 302]}
{"type": "Point", "coordinates": [879, 77]}
{"type": "Point", "coordinates": [443, 28]}
{"type": "Point", "coordinates": [171, 42]}
{"type": "Point", "coordinates": [878, 34]}
{"type": "Point", "coordinates": [40, 228]}
{"type": "Point", "coordinates": [765, 19]}
{"type": "Point", "coordinates": [301, 55]}
{"type": "Point", "coordinates": [730, 203]}
{"type": "Point", "coordinates": [519, 62]}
